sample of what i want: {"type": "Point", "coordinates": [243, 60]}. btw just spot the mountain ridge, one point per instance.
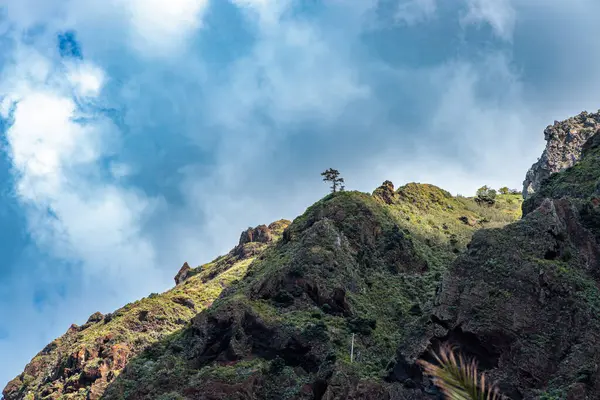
{"type": "Point", "coordinates": [79, 368]}
{"type": "Point", "coordinates": [343, 301]}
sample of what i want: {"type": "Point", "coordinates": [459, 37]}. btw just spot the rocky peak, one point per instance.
{"type": "Point", "coordinates": [565, 140]}
{"type": "Point", "coordinates": [95, 317]}
{"type": "Point", "coordinates": [385, 192]}
{"type": "Point", "coordinates": [260, 234]}
{"type": "Point", "coordinates": [183, 274]}
{"type": "Point", "coordinates": [279, 226]}
{"type": "Point", "coordinates": [252, 240]}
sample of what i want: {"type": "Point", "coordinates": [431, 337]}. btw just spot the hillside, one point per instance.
{"type": "Point", "coordinates": [280, 307]}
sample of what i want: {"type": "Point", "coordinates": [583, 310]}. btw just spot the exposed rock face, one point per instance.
{"type": "Point", "coordinates": [260, 234]}
{"type": "Point", "coordinates": [565, 141]}
{"type": "Point", "coordinates": [524, 302]}
{"type": "Point", "coordinates": [252, 240]}
{"type": "Point", "coordinates": [183, 274]}
{"type": "Point", "coordinates": [386, 192]}
{"type": "Point", "coordinates": [91, 367]}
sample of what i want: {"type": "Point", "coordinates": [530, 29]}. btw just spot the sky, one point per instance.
{"type": "Point", "coordinates": [140, 134]}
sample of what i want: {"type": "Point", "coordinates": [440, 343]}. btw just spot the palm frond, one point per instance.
{"type": "Point", "coordinates": [458, 380]}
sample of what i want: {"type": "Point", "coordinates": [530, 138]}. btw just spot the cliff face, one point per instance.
{"type": "Point", "coordinates": [524, 299]}
{"type": "Point", "coordinates": [565, 140]}
{"type": "Point", "coordinates": [274, 318]}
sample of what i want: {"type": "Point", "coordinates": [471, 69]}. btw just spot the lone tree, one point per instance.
{"type": "Point", "coordinates": [332, 175]}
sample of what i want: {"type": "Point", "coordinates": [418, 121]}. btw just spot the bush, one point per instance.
{"type": "Point", "coordinates": [486, 195]}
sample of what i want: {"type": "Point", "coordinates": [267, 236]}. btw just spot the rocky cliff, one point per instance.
{"type": "Point", "coordinates": [274, 317]}
{"type": "Point", "coordinates": [343, 302]}
{"type": "Point", "coordinates": [565, 140]}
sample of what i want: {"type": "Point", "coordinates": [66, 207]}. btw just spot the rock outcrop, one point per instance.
{"type": "Point", "coordinates": [386, 192]}
{"type": "Point", "coordinates": [565, 141]}
{"type": "Point", "coordinates": [260, 234]}
{"type": "Point", "coordinates": [183, 274]}
{"type": "Point", "coordinates": [523, 301]}
{"type": "Point", "coordinates": [253, 240]}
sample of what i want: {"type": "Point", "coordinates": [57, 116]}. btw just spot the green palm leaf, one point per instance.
{"type": "Point", "coordinates": [459, 380]}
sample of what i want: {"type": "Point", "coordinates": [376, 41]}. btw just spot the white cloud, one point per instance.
{"type": "Point", "coordinates": [162, 27]}
{"type": "Point", "coordinates": [55, 155]}
{"type": "Point", "coordinates": [155, 28]}
{"type": "Point", "coordinates": [413, 11]}
{"type": "Point", "coordinates": [87, 78]}
{"type": "Point", "coordinates": [499, 14]}
{"type": "Point", "coordinates": [292, 73]}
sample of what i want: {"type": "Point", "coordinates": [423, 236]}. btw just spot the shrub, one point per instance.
{"type": "Point", "coordinates": [486, 195]}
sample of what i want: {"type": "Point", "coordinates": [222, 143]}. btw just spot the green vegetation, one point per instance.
{"type": "Point", "coordinates": [317, 283]}
{"type": "Point", "coordinates": [323, 282]}
{"type": "Point", "coordinates": [459, 379]}
{"type": "Point", "coordinates": [388, 275]}
{"type": "Point", "coordinates": [138, 325]}
{"type": "Point", "coordinates": [581, 181]}
{"type": "Point", "coordinates": [486, 195]}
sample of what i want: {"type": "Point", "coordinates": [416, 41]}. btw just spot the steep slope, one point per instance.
{"type": "Point", "coordinates": [81, 363]}
{"type": "Point", "coordinates": [525, 299]}
{"type": "Point", "coordinates": [565, 140]}
{"type": "Point", "coordinates": [353, 263]}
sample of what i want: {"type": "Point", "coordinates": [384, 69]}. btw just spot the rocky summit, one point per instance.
{"type": "Point", "coordinates": [344, 301]}
{"type": "Point", "coordinates": [564, 142]}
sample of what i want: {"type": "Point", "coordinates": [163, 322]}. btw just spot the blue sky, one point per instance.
{"type": "Point", "coordinates": [139, 134]}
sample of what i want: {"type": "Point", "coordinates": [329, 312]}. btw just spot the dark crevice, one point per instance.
{"type": "Point", "coordinates": [319, 389]}
{"type": "Point", "coordinates": [470, 346]}
{"type": "Point", "coordinates": [551, 254]}
{"type": "Point", "coordinates": [294, 353]}
{"type": "Point", "coordinates": [436, 320]}
{"type": "Point", "coordinates": [467, 344]}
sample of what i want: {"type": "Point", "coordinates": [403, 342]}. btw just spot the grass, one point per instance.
{"type": "Point", "coordinates": [165, 313]}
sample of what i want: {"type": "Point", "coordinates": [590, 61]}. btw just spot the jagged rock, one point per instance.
{"type": "Point", "coordinates": [252, 240]}
{"type": "Point", "coordinates": [279, 226]}
{"type": "Point", "coordinates": [95, 317]}
{"type": "Point", "coordinates": [386, 192]}
{"type": "Point", "coordinates": [184, 301]}
{"type": "Point", "coordinates": [523, 302]}
{"type": "Point", "coordinates": [183, 274]}
{"type": "Point", "coordinates": [467, 220]}
{"type": "Point", "coordinates": [565, 141]}
{"type": "Point", "coordinates": [260, 234]}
